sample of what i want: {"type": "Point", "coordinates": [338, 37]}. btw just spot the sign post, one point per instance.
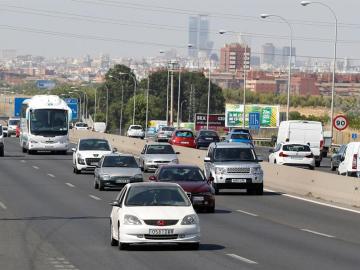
{"type": "Point", "coordinates": [340, 122]}
{"type": "Point", "coordinates": [73, 105]}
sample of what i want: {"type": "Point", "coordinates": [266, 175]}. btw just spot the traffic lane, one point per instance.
{"type": "Point", "coordinates": [79, 227]}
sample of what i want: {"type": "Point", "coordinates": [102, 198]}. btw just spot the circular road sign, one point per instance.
{"type": "Point", "coordinates": [340, 122]}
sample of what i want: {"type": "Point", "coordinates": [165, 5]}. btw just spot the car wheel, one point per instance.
{"type": "Point", "coordinates": [332, 167]}
{"type": "Point", "coordinates": [211, 209]}
{"type": "Point", "coordinates": [311, 168]}
{"type": "Point", "coordinates": [96, 184]}
{"type": "Point", "coordinates": [31, 152]}
{"type": "Point", "coordinates": [215, 188]}
{"type": "Point", "coordinates": [23, 149]}
{"type": "Point", "coordinates": [113, 242]}
{"type": "Point", "coordinates": [317, 163]}
{"type": "Point", "coordinates": [76, 171]}
{"type": "Point", "coordinates": [259, 189]}
{"type": "Point", "coordinates": [101, 186]}
{"type": "Point", "coordinates": [1, 151]}
{"type": "Point", "coordinates": [121, 246]}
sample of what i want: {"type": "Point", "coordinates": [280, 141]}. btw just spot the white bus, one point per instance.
{"type": "Point", "coordinates": [44, 124]}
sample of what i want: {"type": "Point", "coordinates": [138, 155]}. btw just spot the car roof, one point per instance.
{"type": "Point", "coordinates": [291, 143]}
{"type": "Point", "coordinates": [239, 132]}
{"type": "Point", "coordinates": [231, 145]}
{"type": "Point", "coordinates": [179, 166]}
{"type": "Point", "coordinates": [118, 154]}
{"type": "Point", "coordinates": [91, 138]}
{"type": "Point", "coordinates": [158, 143]}
{"type": "Point", "coordinates": [183, 129]}
{"type": "Point", "coordinates": [160, 184]}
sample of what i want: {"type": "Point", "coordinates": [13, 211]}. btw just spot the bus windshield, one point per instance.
{"type": "Point", "coordinates": [49, 122]}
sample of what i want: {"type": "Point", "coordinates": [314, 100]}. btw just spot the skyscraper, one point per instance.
{"type": "Point", "coordinates": [268, 54]}
{"type": "Point", "coordinates": [199, 36]}
{"type": "Point", "coordinates": [193, 36]}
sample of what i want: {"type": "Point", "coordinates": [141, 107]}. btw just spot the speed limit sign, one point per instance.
{"type": "Point", "coordinates": [340, 122]}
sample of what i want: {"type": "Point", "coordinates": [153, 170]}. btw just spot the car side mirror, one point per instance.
{"type": "Point", "coordinates": [73, 149]}
{"type": "Point", "coordinates": [207, 159]}
{"type": "Point", "coordinates": [271, 151]}
{"type": "Point", "coordinates": [260, 159]}
{"type": "Point", "coordinates": [115, 204]}
{"type": "Point", "coordinates": [115, 150]}
{"type": "Point", "coordinates": [211, 179]}
{"type": "Point", "coordinates": [152, 178]}
{"type": "Point", "coordinates": [342, 158]}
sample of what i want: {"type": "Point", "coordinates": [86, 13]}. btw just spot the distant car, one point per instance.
{"type": "Point", "coordinates": [5, 131]}
{"type": "Point", "coordinates": [12, 124]}
{"type": "Point", "coordinates": [164, 134]}
{"type": "Point", "coordinates": [292, 154]}
{"type": "Point", "coordinates": [154, 155]}
{"type": "Point", "coordinates": [1, 141]}
{"type": "Point", "coordinates": [17, 131]}
{"type": "Point", "coordinates": [81, 126]}
{"type": "Point", "coordinates": [88, 153]}
{"type": "Point", "coordinates": [135, 131]}
{"type": "Point", "coordinates": [183, 137]}
{"type": "Point", "coordinates": [116, 170]}
{"type": "Point", "coordinates": [153, 213]}
{"type": "Point", "coordinates": [335, 159]}
{"type": "Point", "coordinates": [205, 137]}
{"type": "Point", "coordinates": [99, 127]}
{"type": "Point", "coordinates": [150, 132]}
{"type": "Point", "coordinates": [239, 137]}
{"type": "Point", "coordinates": [192, 180]}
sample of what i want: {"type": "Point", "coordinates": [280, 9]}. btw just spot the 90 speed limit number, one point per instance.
{"type": "Point", "coordinates": [340, 122]}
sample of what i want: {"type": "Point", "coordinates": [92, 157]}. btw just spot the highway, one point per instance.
{"type": "Point", "coordinates": [53, 219]}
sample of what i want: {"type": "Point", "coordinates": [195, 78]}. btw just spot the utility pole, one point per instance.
{"type": "Point", "coordinates": [122, 105]}
{"type": "Point", "coordinates": [178, 105]}
{"type": "Point", "coordinates": [171, 97]}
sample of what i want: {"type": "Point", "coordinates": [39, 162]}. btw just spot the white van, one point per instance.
{"type": "Point", "coordinates": [99, 127]}
{"type": "Point", "coordinates": [349, 164]}
{"type": "Point", "coordinates": [303, 132]}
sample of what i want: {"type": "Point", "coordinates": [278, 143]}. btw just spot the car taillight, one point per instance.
{"type": "Point", "coordinates": [321, 144]}
{"type": "Point", "coordinates": [310, 156]}
{"type": "Point", "coordinates": [283, 155]}
{"type": "Point", "coordinates": [354, 162]}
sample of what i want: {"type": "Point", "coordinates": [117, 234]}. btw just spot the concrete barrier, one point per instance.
{"type": "Point", "coordinates": [315, 184]}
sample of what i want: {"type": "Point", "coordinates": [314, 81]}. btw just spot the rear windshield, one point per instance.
{"type": "Point", "coordinates": [180, 174]}
{"type": "Point", "coordinates": [81, 125]}
{"type": "Point", "coordinates": [184, 134]}
{"type": "Point", "coordinates": [167, 129]}
{"type": "Point", "coordinates": [14, 122]}
{"type": "Point", "coordinates": [160, 149]}
{"type": "Point", "coordinates": [296, 148]}
{"type": "Point", "coordinates": [94, 144]}
{"type": "Point", "coordinates": [208, 133]}
{"type": "Point", "coordinates": [120, 161]}
{"type": "Point", "coordinates": [240, 136]}
{"type": "Point", "coordinates": [136, 127]}
{"type": "Point", "coordinates": [156, 196]}
{"type": "Point", "coordinates": [234, 154]}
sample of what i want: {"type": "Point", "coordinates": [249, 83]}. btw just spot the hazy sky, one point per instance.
{"type": "Point", "coordinates": [142, 28]}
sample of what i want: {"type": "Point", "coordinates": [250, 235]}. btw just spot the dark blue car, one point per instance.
{"type": "Point", "coordinates": [205, 137]}
{"type": "Point", "coordinates": [240, 137]}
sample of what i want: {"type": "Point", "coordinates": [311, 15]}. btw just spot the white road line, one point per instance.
{"type": "Point", "coordinates": [94, 197]}
{"type": "Point", "coordinates": [318, 233]}
{"type": "Point", "coordinates": [247, 213]}
{"type": "Point", "coordinates": [35, 167]}
{"type": "Point", "coordinates": [316, 202]}
{"type": "Point", "coordinates": [51, 175]}
{"type": "Point", "coordinates": [237, 257]}
{"type": "Point", "coordinates": [69, 184]}
{"type": "Point", "coordinates": [3, 206]}
{"type": "Point", "coordinates": [23, 161]}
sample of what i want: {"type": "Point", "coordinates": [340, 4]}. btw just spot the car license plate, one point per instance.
{"type": "Point", "coordinates": [209, 139]}
{"type": "Point", "coordinates": [297, 158]}
{"type": "Point", "coordinates": [238, 180]}
{"type": "Point", "coordinates": [121, 181]}
{"type": "Point", "coordinates": [198, 198]}
{"type": "Point", "coordinates": [161, 231]}
{"type": "Point", "coordinates": [184, 142]}
{"type": "Point", "coordinates": [94, 163]}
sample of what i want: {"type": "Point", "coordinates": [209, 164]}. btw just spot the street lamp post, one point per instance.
{"type": "Point", "coordinates": [264, 16]}
{"type": "Point", "coordinates": [178, 105]}
{"type": "Point", "coordinates": [84, 107]}
{"type": "Point", "coordinates": [147, 105]}
{"type": "Point", "coordinates": [107, 105]}
{"type": "Point", "coordinates": [181, 108]}
{"type": "Point", "coordinates": [306, 3]}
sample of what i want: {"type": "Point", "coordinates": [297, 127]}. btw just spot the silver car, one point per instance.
{"type": "Point", "coordinates": [156, 154]}
{"type": "Point", "coordinates": [116, 170]}
{"type": "Point", "coordinates": [234, 166]}
{"type": "Point", "coordinates": [164, 134]}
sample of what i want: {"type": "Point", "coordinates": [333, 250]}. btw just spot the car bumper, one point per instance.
{"type": "Point", "coordinates": [201, 202]}
{"type": "Point", "coordinates": [114, 184]}
{"type": "Point", "coordinates": [48, 147]}
{"type": "Point", "coordinates": [238, 180]}
{"type": "Point", "coordinates": [297, 163]}
{"type": "Point", "coordinates": [151, 166]}
{"type": "Point", "coordinates": [138, 234]}
{"type": "Point", "coordinates": [189, 145]}
{"type": "Point", "coordinates": [163, 139]}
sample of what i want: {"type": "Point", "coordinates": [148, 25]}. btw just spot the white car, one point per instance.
{"type": "Point", "coordinates": [81, 126]}
{"type": "Point", "coordinates": [88, 153]}
{"type": "Point", "coordinates": [350, 160]}
{"type": "Point", "coordinates": [153, 213]}
{"type": "Point", "coordinates": [292, 154]}
{"type": "Point", "coordinates": [12, 124]}
{"type": "Point", "coordinates": [1, 141]}
{"type": "Point", "coordinates": [135, 131]}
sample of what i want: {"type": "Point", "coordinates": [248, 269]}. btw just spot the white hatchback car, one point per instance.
{"type": "Point", "coordinates": [88, 153]}
{"type": "Point", "coordinates": [81, 126]}
{"type": "Point", "coordinates": [292, 154]}
{"type": "Point", "coordinates": [153, 213]}
{"type": "Point", "coordinates": [136, 131]}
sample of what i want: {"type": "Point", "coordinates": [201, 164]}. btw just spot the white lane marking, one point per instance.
{"type": "Point", "coordinates": [247, 213]}
{"type": "Point", "coordinates": [318, 233]}
{"type": "Point", "coordinates": [3, 206]}
{"type": "Point", "coordinates": [237, 257]}
{"type": "Point", "coordinates": [69, 184]}
{"type": "Point", "coordinates": [94, 197]}
{"type": "Point", "coordinates": [35, 167]}
{"type": "Point", "coordinates": [315, 202]}
{"type": "Point", "coordinates": [51, 175]}
{"type": "Point", "coordinates": [23, 161]}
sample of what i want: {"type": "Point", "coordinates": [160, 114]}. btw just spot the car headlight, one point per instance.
{"type": "Point", "coordinates": [205, 193]}
{"type": "Point", "coordinates": [189, 220]}
{"type": "Point", "coordinates": [176, 161]}
{"type": "Point", "coordinates": [33, 141]}
{"type": "Point", "coordinates": [220, 170]}
{"type": "Point", "coordinates": [131, 220]}
{"type": "Point", "coordinates": [256, 170]}
{"type": "Point", "coordinates": [148, 160]}
{"type": "Point", "coordinates": [138, 176]}
{"type": "Point", "coordinates": [105, 177]}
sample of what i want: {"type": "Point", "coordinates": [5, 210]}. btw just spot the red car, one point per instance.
{"type": "Point", "coordinates": [17, 131]}
{"type": "Point", "coordinates": [183, 137]}
{"type": "Point", "coordinates": [192, 180]}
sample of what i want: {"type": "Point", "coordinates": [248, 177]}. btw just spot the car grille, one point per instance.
{"type": "Point", "coordinates": [120, 178]}
{"type": "Point", "coordinates": [167, 222]}
{"type": "Point", "coordinates": [238, 170]}
{"type": "Point", "coordinates": [161, 161]}
{"type": "Point", "coordinates": [161, 237]}
{"type": "Point", "coordinates": [89, 161]}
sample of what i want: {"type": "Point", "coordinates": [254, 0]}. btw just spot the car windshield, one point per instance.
{"type": "Point", "coordinates": [167, 129]}
{"type": "Point", "coordinates": [234, 154]}
{"type": "Point", "coordinates": [53, 122]}
{"type": "Point", "coordinates": [181, 174]}
{"type": "Point", "coordinates": [81, 125]}
{"type": "Point", "coordinates": [160, 149]}
{"type": "Point", "coordinates": [136, 127]}
{"type": "Point", "coordinates": [14, 122]}
{"type": "Point", "coordinates": [184, 134]}
{"type": "Point", "coordinates": [242, 136]}
{"type": "Point", "coordinates": [208, 133]}
{"type": "Point", "coordinates": [156, 196]}
{"type": "Point", "coordinates": [94, 144]}
{"type": "Point", "coordinates": [296, 148]}
{"type": "Point", "coordinates": [120, 161]}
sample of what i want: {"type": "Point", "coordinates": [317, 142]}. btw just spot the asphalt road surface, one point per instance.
{"type": "Point", "coordinates": [51, 218]}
